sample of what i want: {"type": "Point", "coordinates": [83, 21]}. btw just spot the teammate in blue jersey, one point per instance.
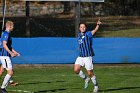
{"type": "Point", "coordinates": [6, 53]}
{"type": "Point", "coordinates": [85, 55]}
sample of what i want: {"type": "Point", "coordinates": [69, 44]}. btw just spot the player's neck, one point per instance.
{"type": "Point", "coordinates": [82, 33]}
{"type": "Point", "coordinates": [7, 30]}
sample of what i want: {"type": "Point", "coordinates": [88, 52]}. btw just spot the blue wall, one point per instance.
{"type": "Point", "coordinates": [65, 51]}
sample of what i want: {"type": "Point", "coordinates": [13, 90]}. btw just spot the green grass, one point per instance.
{"type": "Point", "coordinates": [61, 79]}
{"type": "Point", "coordinates": [120, 33]}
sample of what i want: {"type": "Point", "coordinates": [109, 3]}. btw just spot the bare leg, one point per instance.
{"type": "Point", "coordinates": [77, 70]}
{"type": "Point", "coordinates": [7, 78]}
{"type": "Point", "coordinates": [1, 70]}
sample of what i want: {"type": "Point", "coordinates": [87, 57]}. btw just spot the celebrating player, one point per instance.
{"type": "Point", "coordinates": [85, 55]}
{"type": "Point", "coordinates": [6, 53]}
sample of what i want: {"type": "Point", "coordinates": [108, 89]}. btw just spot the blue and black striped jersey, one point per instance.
{"type": "Point", "coordinates": [6, 36]}
{"type": "Point", "coordinates": [85, 44]}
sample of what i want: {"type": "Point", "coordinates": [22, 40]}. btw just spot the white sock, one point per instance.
{"type": "Point", "coordinates": [82, 75]}
{"type": "Point", "coordinates": [5, 81]}
{"type": "Point", "coordinates": [94, 80]}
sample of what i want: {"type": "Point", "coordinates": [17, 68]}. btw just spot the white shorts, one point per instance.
{"type": "Point", "coordinates": [85, 62]}
{"type": "Point", "coordinates": [6, 62]}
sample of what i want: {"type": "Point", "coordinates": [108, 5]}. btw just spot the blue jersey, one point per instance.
{"type": "Point", "coordinates": [6, 37]}
{"type": "Point", "coordinates": [85, 44]}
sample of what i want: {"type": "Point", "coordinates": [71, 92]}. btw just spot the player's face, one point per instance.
{"type": "Point", "coordinates": [82, 28]}
{"type": "Point", "coordinates": [11, 27]}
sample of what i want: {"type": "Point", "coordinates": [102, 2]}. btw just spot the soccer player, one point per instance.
{"type": "Point", "coordinates": [6, 53]}
{"type": "Point", "coordinates": [12, 83]}
{"type": "Point", "coordinates": [85, 55]}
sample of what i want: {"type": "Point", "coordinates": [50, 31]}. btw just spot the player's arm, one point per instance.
{"type": "Point", "coordinates": [96, 28]}
{"type": "Point", "coordinates": [15, 52]}
{"type": "Point", "coordinates": [7, 49]}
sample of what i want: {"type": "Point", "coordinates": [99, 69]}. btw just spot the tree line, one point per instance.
{"type": "Point", "coordinates": [111, 7]}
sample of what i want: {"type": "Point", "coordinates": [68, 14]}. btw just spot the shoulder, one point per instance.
{"type": "Point", "coordinates": [89, 33]}
{"type": "Point", "coordinates": [79, 34]}
{"type": "Point", "coordinates": [5, 33]}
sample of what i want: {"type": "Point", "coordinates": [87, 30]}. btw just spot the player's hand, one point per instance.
{"type": "Point", "coordinates": [13, 55]}
{"type": "Point", "coordinates": [16, 54]}
{"type": "Point", "coordinates": [99, 22]}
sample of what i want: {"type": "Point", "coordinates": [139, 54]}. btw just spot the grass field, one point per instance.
{"type": "Point", "coordinates": [120, 33]}
{"type": "Point", "coordinates": [61, 79]}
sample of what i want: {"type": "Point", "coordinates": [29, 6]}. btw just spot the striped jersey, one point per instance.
{"type": "Point", "coordinates": [6, 36]}
{"type": "Point", "coordinates": [85, 44]}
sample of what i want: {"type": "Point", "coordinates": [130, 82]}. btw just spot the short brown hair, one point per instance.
{"type": "Point", "coordinates": [82, 23]}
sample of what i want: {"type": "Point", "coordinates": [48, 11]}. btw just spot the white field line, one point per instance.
{"type": "Point", "coordinates": [23, 91]}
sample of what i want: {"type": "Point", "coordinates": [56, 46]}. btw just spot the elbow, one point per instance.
{"type": "Point", "coordinates": [4, 46]}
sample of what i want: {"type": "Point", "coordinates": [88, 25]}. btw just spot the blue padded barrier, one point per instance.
{"type": "Point", "coordinates": [65, 51]}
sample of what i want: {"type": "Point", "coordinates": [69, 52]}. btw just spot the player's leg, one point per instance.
{"type": "Point", "coordinates": [89, 68]}
{"type": "Point", "coordinates": [77, 70]}
{"type": "Point", "coordinates": [7, 78]}
{"type": "Point", "coordinates": [12, 83]}
{"type": "Point", "coordinates": [93, 79]}
{"type": "Point", "coordinates": [1, 70]}
{"type": "Point", "coordinates": [77, 67]}
{"type": "Point", "coordinates": [6, 63]}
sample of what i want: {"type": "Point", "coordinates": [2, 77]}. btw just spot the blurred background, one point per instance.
{"type": "Point", "coordinates": [45, 31]}
{"type": "Point", "coordinates": [120, 18]}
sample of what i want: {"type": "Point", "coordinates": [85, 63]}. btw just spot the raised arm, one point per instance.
{"type": "Point", "coordinates": [97, 27]}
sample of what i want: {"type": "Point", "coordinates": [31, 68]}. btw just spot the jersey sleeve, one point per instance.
{"type": "Point", "coordinates": [89, 33]}
{"type": "Point", "coordinates": [5, 37]}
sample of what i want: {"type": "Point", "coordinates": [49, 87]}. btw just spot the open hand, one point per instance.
{"type": "Point", "coordinates": [99, 22]}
